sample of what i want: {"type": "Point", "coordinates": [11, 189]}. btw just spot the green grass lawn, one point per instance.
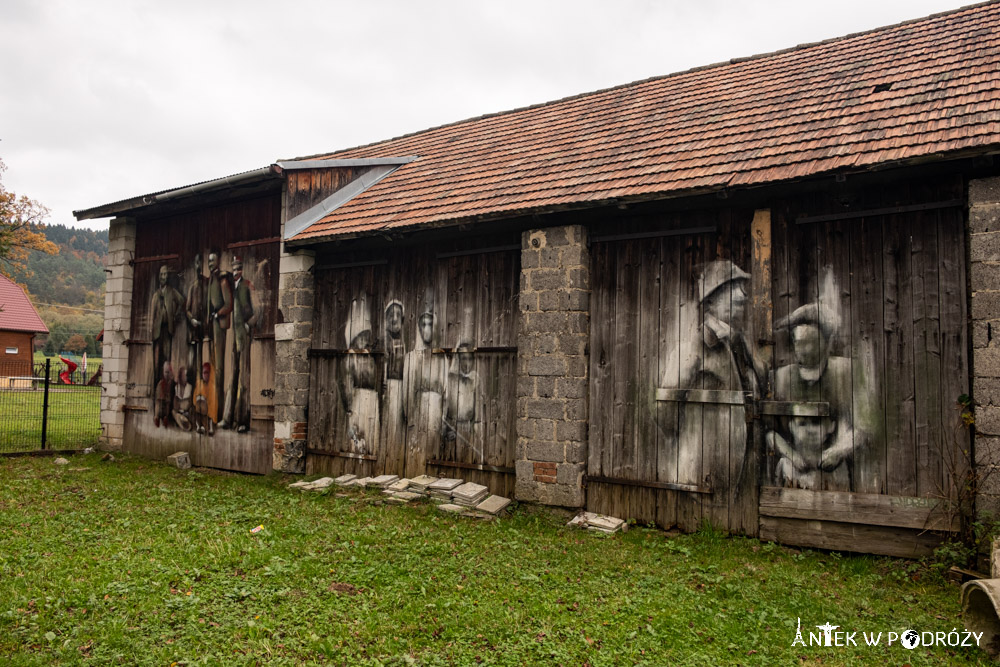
{"type": "Point", "coordinates": [132, 562]}
{"type": "Point", "coordinates": [73, 419]}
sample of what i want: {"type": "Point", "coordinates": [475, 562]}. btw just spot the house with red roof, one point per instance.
{"type": "Point", "coordinates": [762, 294]}
{"type": "Point", "coordinates": [19, 323]}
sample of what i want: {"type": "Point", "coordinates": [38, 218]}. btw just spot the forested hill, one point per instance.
{"type": "Point", "coordinates": [75, 276]}
{"type": "Point", "coordinates": [68, 289]}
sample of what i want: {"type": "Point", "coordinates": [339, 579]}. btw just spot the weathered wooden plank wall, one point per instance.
{"type": "Point", "coordinates": [868, 336]}
{"type": "Point", "coordinates": [430, 370]}
{"type": "Point", "coordinates": [647, 324]}
{"type": "Point", "coordinates": [162, 419]}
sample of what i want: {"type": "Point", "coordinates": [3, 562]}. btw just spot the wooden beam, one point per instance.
{"type": "Point", "coordinates": [669, 486]}
{"type": "Point", "coordinates": [471, 466]}
{"type": "Point", "coordinates": [858, 508]}
{"type": "Point", "coordinates": [793, 408]}
{"type": "Point", "coordinates": [888, 210]}
{"type": "Point", "coordinates": [715, 396]}
{"type": "Point", "coordinates": [761, 306]}
{"type": "Point", "coordinates": [860, 538]}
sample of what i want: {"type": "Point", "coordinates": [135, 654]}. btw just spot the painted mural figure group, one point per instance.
{"type": "Point", "coordinates": [433, 403]}
{"type": "Point", "coordinates": [214, 305]}
{"type": "Point", "coordinates": [812, 452]}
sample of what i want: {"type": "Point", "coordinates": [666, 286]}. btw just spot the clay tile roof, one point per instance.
{"type": "Point", "coordinates": [895, 94]}
{"type": "Point", "coordinates": [16, 311]}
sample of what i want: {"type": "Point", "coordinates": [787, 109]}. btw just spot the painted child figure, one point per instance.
{"type": "Point", "coordinates": [164, 396]}
{"type": "Point", "coordinates": [182, 400]}
{"type": "Point", "coordinates": [205, 403]}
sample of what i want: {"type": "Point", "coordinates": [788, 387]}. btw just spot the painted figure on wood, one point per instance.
{"type": "Point", "coordinates": [457, 429]}
{"type": "Point", "coordinates": [424, 375]}
{"type": "Point", "coordinates": [182, 401]}
{"type": "Point", "coordinates": [164, 396]}
{"type": "Point", "coordinates": [166, 308]}
{"type": "Point", "coordinates": [716, 357]}
{"type": "Point", "coordinates": [220, 307]}
{"type": "Point", "coordinates": [360, 381]}
{"type": "Point", "coordinates": [818, 452]}
{"type": "Point", "coordinates": [392, 385]}
{"type": "Point", "coordinates": [206, 405]}
{"type": "Point", "coordinates": [244, 317]}
{"type": "Point", "coordinates": [195, 310]}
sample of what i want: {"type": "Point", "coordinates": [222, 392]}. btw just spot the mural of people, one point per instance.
{"type": "Point", "coordinates": [424, 376]}
{"type": "Point", "coordinates": [392, 385]}
{"type": "Point", "coordinates": [206, 405]}
{"type": "Point", "coordinates": [165, 309]}
{"type": "Point", "coordinates": [220, 308]}
{"type": "Point", "coordinates": [715, 356]}
{"type": "Point", "coordinates": [182, 401]}
{"type": "Point", "coordinates": [243, 319]}
{"type": "Point", "coordinates": [360, 381]}
{"type": "Point", "coordinates": [164, 396]}
{"type": "Point", "coordinates": [808, 445]}
{"type": "Point", "coordinates": [195, 310]}
{"type": "Point", "coordinates": [460, 403]}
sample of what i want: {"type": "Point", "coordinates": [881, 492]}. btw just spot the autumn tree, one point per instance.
{"type": "Point", "coordinates": [76, 343]}
{"type": "Point", "coordinates": [20, 229]}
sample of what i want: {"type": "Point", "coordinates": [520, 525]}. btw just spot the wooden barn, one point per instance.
{"type": "Point", "coordinates": [758, 294]}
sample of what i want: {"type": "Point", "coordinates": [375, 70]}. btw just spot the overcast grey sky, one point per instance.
{"type": "Point", "coordinates": [106, 100]}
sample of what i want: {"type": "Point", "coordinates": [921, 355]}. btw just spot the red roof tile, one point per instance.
{"type": "Point", "coordinates": [786, 115]}
{"type": "Point", "coordinates": [16, 311]}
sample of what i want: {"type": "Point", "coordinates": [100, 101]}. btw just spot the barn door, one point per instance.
{"type": "Point", "coordinates": [673, 368]}
{"type": "Point", "coordinates": [864, 449]}
{"type": "Point", "coordinates": [413, 364]}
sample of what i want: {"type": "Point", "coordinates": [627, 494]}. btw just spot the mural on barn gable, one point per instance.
{"type": "Point", "coordinates": [195, 391]}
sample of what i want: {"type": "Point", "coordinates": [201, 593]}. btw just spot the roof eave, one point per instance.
{"type": "Point", "coordinates": [246, 178]}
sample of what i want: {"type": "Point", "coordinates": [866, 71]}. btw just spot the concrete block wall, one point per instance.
{"type": "Point", "coordinates": [292, 339]}
{"type": "Point", "coordinates": [117, 330]}
{"type": "Point", "coordinates": [552, 366]}
{"type": "Point", "coordinates": [984, 278]}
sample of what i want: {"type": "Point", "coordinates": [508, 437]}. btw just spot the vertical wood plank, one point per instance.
{"type": "Point", "coordinates": [954, 348]}
{"type": "Point", "coordinates": [901, 456]}
{"type": "Point", "coordinates": [926, 353]}
{"type": "Point", "coordinates": [868, 354]}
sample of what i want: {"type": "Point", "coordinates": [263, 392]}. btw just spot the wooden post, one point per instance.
{"type": "Point", "coordinates": [761, 309]}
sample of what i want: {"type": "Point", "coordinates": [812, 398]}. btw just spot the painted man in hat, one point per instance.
{"type": "Point", "coordinates": [244, 319]}
{"type": "Point", "coordinates": [424, 376]}
{"type": "Point", "coordinates": [165, 310]}
{"type": "Point", "coordinates": [717, 357]}
{"type": "Point", "coordinates": [220, 308]}
{"type": "Point", "coordinates": [360, 382]}
{"type": "Point", "coordinates": [817, 452]}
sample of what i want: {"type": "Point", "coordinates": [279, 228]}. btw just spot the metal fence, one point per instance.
{"type": "Point", "coordinates": [41, 409]}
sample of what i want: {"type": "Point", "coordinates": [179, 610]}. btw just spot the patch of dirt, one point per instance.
{"type": "Point", "coordinates": [346, 589]}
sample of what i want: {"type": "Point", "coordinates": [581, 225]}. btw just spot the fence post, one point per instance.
{"type": "Point", "coordinates": [45, 402]}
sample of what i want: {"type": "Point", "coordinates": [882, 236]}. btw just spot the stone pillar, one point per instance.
{"type": "Point", "coordinates": [552, 366]}
{"type": "Point", "coordinates": [984, 271]}
{"type": "Point", "coordinates": [117, 330]}
{"type": "Point", "coordinates": [292, 340]}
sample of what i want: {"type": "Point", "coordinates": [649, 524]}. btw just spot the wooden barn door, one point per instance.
{"type": "Point", "coordinates": [865, 450]}
{"type": "Point", "coordinates": [672, 372]}
{"type": "Point", "coordinates": [227, 420]}
{"type": "Point", "coordinates": [414, 365]}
